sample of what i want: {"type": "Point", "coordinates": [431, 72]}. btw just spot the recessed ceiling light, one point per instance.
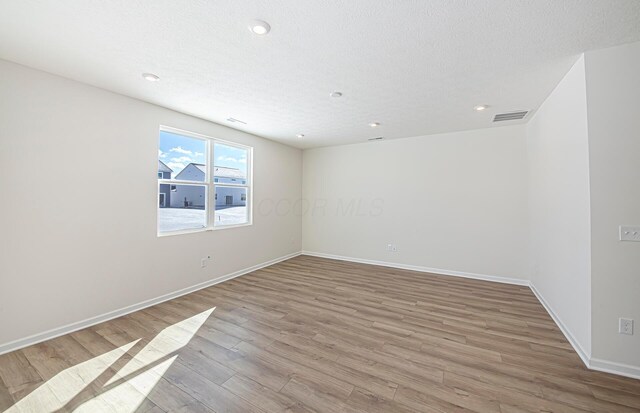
{"type": "Point", "coordinates": [480, 108]}
{"type": "Point", "coordinates": [259, 27]}
{"type": "Point", "coordinates": [299, 135]}
{"type": "Point", "coordinates": [150, 77]}
{"type": "Point", "coordinates": [374, 124]}
{"type": "Point", "coordinates": [335, 94]}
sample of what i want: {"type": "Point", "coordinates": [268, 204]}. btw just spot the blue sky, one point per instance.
{"type": "Point", "coordinates": [178, 151]}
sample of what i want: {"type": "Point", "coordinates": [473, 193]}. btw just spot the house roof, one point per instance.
{"type": "Point", "coordinates": [162, 167]}
{"type": "Point", "coordinates": [219, 171]}
{"type": "Point", "coordinates": [224, 172]}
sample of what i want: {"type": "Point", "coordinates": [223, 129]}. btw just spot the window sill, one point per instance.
{"type": "Point", "coordinates": [221, 227]}
{"type": "Point", "coordinates": [197, 230]}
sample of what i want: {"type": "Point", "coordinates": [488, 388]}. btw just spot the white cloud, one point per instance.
{"type": "Point", "coordinates": [161, 154]}
{"type": "Point", "coordinates": [198, 154]}
{"type": "Point", "coordinates": [180, 150]}
{"type": "Point", "coordinates": [182, 159]}
{"type": "Point", "coordinates": [231, 159]}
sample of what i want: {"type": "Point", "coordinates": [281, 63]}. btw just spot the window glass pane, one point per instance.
{"type": "Point", "coordinates": [181, 207]}
{"type": "Point", "coordinates": [231, 205]}
{"type": "Point", "coordinates": [181, 157]}
{"type": "Point", "coordinates": [230, 164]}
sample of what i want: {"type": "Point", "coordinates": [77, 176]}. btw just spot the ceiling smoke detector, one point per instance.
{"type": "Point", "coordinates": [300, 135]}
{"type": "Point", "coordinates": [335, 94]}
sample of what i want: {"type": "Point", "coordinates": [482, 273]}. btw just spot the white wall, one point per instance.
{"type": "Point", "coordinates": [558, 158]}
{"type": "Point", "coordinates": [613, 91]}
{"type": "Point", "coordinates": [455, 201]}
{"type": "Point", "coordinates": [62, 262]}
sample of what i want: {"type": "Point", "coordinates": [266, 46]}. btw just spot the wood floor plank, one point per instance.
{"type": "Point", "coordinates": [312, 394]}
{"type": "Point", "coordinates": [208, 393]}
{"type": "Point", "coordinates": [515, 399]}
{"type": "Point", "coordinates": [317, 335]}
{"type": "Point", "coordinates": [6, 400]}
{"type": "Point", "coordinates": [267, 399]}
{"type": "Point", "coordinates": [372, 383]}
{"type": "Point", "coordinates": [289, 366]}
{"type": "Point", "coordinates": [372, 403]}
{"type": "Point", "coordinates": [16, 372]}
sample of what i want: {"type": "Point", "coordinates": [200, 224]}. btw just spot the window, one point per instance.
{"type": "Point", "coordinates": [199, 183]}
{"type": "Point", "coordinates": [231, 166]}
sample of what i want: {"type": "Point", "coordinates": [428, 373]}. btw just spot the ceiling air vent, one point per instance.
{"type": "Point", "coordinates": [234, 120]}
{"type": "Point", "coordinates": [501, 117]}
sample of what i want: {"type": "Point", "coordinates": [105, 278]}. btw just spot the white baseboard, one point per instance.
{"type": "Point", "coordinates": [567, 334]}
{"type": "Point", "coordinates": [591, 362]}
{"type": "Point", "coordinates": [79, 325]}
{"type": "Point", "coordinates": [493, 278]}
{"type": "Point", "coordinates": [615, 368]}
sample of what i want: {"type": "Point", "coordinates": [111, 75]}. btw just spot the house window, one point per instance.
{"type": "Point", "coordinates": [195, 169]}
{"type": "Point", "coordinates": [232, 165]}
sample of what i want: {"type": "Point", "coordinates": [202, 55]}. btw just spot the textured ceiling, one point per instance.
{"type": "Point", "coordinates": [416, 66]}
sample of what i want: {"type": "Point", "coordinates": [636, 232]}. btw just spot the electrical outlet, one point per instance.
{"type": "Point", "coordinates": [629, 233]}
{"type": "Point", "coordinates": [625, 326]}
{"type": "Point", "coordinates": [204, 261]}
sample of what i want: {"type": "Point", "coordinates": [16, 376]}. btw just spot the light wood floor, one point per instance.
{"type": "Point", "coordinates": [312, 334]}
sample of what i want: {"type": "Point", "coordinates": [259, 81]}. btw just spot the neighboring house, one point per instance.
{"type": "Point", "coordinates": [192, 196]}
{"type": "Point", "coordinates": [229, 196]}
{"type": "Point", "coordinates": [164, 195]}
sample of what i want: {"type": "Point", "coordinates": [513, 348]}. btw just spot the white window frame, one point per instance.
{"type": "Point", "coordinates": [209, 183]}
